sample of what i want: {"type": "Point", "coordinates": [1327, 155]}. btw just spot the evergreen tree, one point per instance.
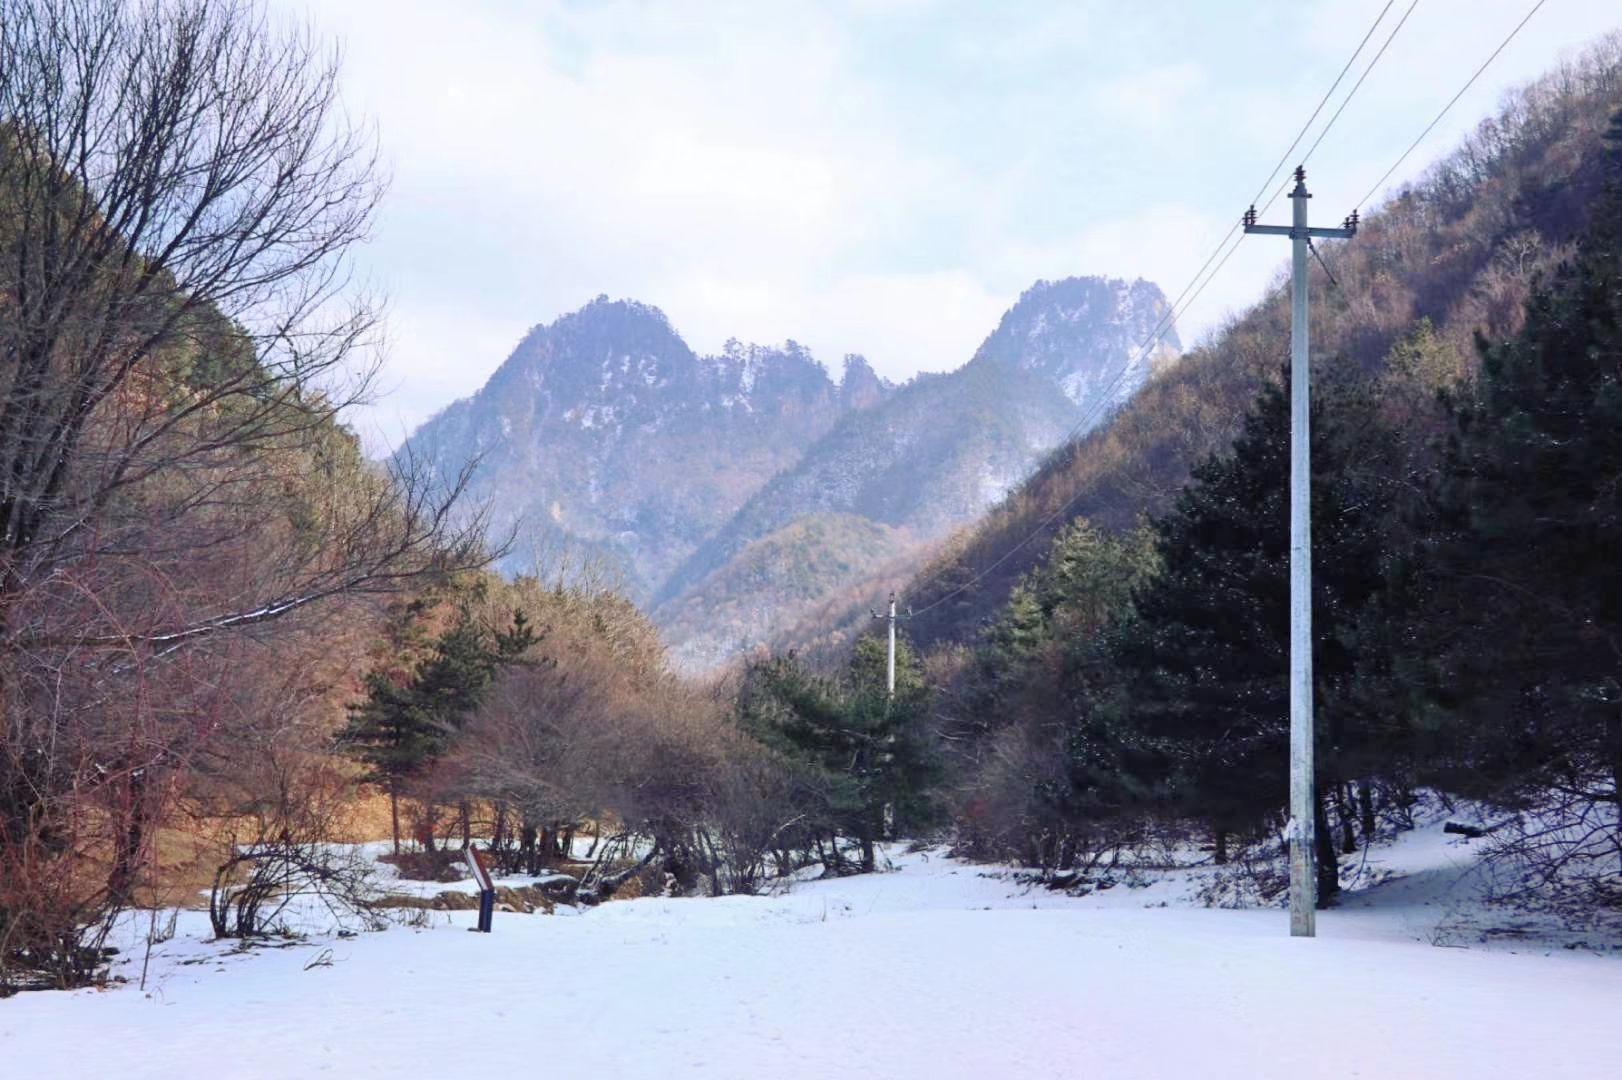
{"type": "Point", "coordinates": [1202, 715]}
{"type": "Point", "coordinates": [411, 710]}
{"type": "Point", "coordinates": [862, 752]}
{"type": "Point", "coordinates": [1525, 607]}
{"type": "Point", "coordinates": [1038, 673]}
{"type": "Point", "coordinates": [898, 773]}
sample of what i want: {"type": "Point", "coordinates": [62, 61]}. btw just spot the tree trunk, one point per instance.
{"type": "Point", "coordinates": [1365, 806]}
{"type": "Point", "coordinates": [427, 824]}
{"type": "Point", "coordinates": [1328, 860]}
{"type": "Point", "coordinates": [1220, 837]}
{"type": "Point", "coordinates": [1613, 728]}
{"type": "Point", "coordinates": [1343, 809]}
{"type": "Point", "coordinates": [463, 811]}
{"type": "Point", "coordinates": [394, 815]}
{"type": "Point", "coordinates": [526, 848]}
{"type": "Point", "coordinates": [869, 861]}
{"type": "Point", "coordinates": [131, 839]}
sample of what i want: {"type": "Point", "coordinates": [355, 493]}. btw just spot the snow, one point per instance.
{"type": "Point", "coordinates": [936, 969]}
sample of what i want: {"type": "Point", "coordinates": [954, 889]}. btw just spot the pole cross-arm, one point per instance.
{"type": "Point", "coordinates": [1346, 231]}
{"type": "Point", "coordinates": [1290, 231]}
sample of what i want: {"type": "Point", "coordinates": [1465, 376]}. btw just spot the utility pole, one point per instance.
{"type": "Point", "coordinates": [889, 671]}
{"type": "Point", "coordinates": [887, 815]}
{"type": "Point", "coordinates": [1303, 828]}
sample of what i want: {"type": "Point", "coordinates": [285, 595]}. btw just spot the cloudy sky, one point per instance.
{"type": "Point", "coordinates": [873, 176]}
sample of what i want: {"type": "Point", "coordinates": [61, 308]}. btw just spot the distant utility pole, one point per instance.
{"type": "Point", "coordinates": [1303, 828]}
{"type": "Point", "coordinates": [889, 671]}
{"type": "Point", "coordinates": [887, 815]}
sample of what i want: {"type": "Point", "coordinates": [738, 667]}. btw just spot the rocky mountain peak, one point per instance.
{"type": "Point", "coordinates": [602, 363]}
{"type": "Point", "coordinates": [767, 378]}
{"type": "Point", "coordinates": [604, 435]}
{"type": "Point", "coordinates": [1080, 332]}
{"type": "Point", "coordinates": [860, 386]}
{"type": "Point", "coordinates": [605, 441]}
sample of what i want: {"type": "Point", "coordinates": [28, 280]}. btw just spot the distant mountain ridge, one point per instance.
{"type": "Point", "coordinates": [943, 448]}
{"type": "Point", "coordinates": [605, 436]}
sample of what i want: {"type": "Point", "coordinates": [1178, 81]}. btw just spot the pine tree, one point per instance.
{"type": "Point", "coordinates": [862, 752]}
{"type": "Point", "coordinates": [1203, 707]}
{"type": "Point", "coordinates": [1527, 585]}
{"type": "Point", "coordinates": [411, 710]}
{"type": "Point", "coordinates": [1034, 692]}
{"type": "Point", "coordinates": [898, 769]}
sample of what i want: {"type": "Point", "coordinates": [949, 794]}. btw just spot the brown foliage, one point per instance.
{"type": "Point", "coordinates": [180, 513]}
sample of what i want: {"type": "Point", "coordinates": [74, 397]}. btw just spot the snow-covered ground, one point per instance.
{"type": "Point", "coordinates": [937, 969]}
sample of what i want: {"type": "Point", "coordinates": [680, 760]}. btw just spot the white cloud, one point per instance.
{"type": "Point", "coordinates": [875, 176]}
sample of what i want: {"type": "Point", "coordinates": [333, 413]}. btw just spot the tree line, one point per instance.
{"type": "Point", "coordinates": [218, 620]}
{"type": "Point", "coordinates": [1467, 617]}
{"type": "Point", "coordinates": [219, 623]}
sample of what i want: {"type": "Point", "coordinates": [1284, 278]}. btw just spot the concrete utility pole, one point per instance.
{"type": "Point", "coordinates": [889, 671]}
{"type": "Point", "coordinates": [1303, 830]}
{"type": "Point", "coordinates": [888, 813]}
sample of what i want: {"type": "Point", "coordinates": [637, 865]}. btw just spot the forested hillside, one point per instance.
{"type": "Point", "coordinates": [279, 724]}
{"type": "Point", "coordinates": [1460, 248]}
{"type": "Point", "coordinates": [936, 453]}
{"type": "Point", "coordinates": [191, 543]}
{"type": "Point", "coordinates": [1125, 679]}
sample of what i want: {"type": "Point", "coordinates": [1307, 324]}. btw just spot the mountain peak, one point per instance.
{"type": "Point", "coordinates": [860, 386]}
{"type": "Point", "coordinates": [766, 377]}
{"type": "Point", "coordinates": [1085, 333]}
{"type": "Point", "coordinates": [617, 324]}
{"type": "Point", "coordinates": [604, 436]}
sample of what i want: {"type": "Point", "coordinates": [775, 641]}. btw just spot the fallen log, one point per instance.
{"type": "Point", "coordinates": [1473, 832]}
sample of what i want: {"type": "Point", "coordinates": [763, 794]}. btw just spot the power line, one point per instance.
{"type": "Point", "coordinates": [1195, 286]}
{"type": "Point", "coordinates": [1451, 102]}
{"type": "Point", "coordinates": [1168, 319]}
{"type": "Point", "coordinates": [1070, 502]}
{"type": "Point", "coordinates": [1178, 306]}
{"type": "Point", "coordinates": [1355, 86]}
{"type": "Point", "coordinates": [1284, 185]}
{"type": "Point", "coordinates": [1328, 273]}
{"type": "Point", "coordinates": [1329, 93]}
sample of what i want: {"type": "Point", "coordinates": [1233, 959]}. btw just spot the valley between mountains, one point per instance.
{"type": "Point", "coordinates": [734, 494]}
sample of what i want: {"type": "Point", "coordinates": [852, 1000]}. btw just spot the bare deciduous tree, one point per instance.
{"type": "Point", "coordinates": [180, 333]}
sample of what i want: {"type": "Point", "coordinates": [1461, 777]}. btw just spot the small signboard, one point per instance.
{"type": "Point", "coordinates": [487, 888]}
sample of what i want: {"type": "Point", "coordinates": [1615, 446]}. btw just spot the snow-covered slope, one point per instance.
{"type": "Point", "coordinates": [937, 969]}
